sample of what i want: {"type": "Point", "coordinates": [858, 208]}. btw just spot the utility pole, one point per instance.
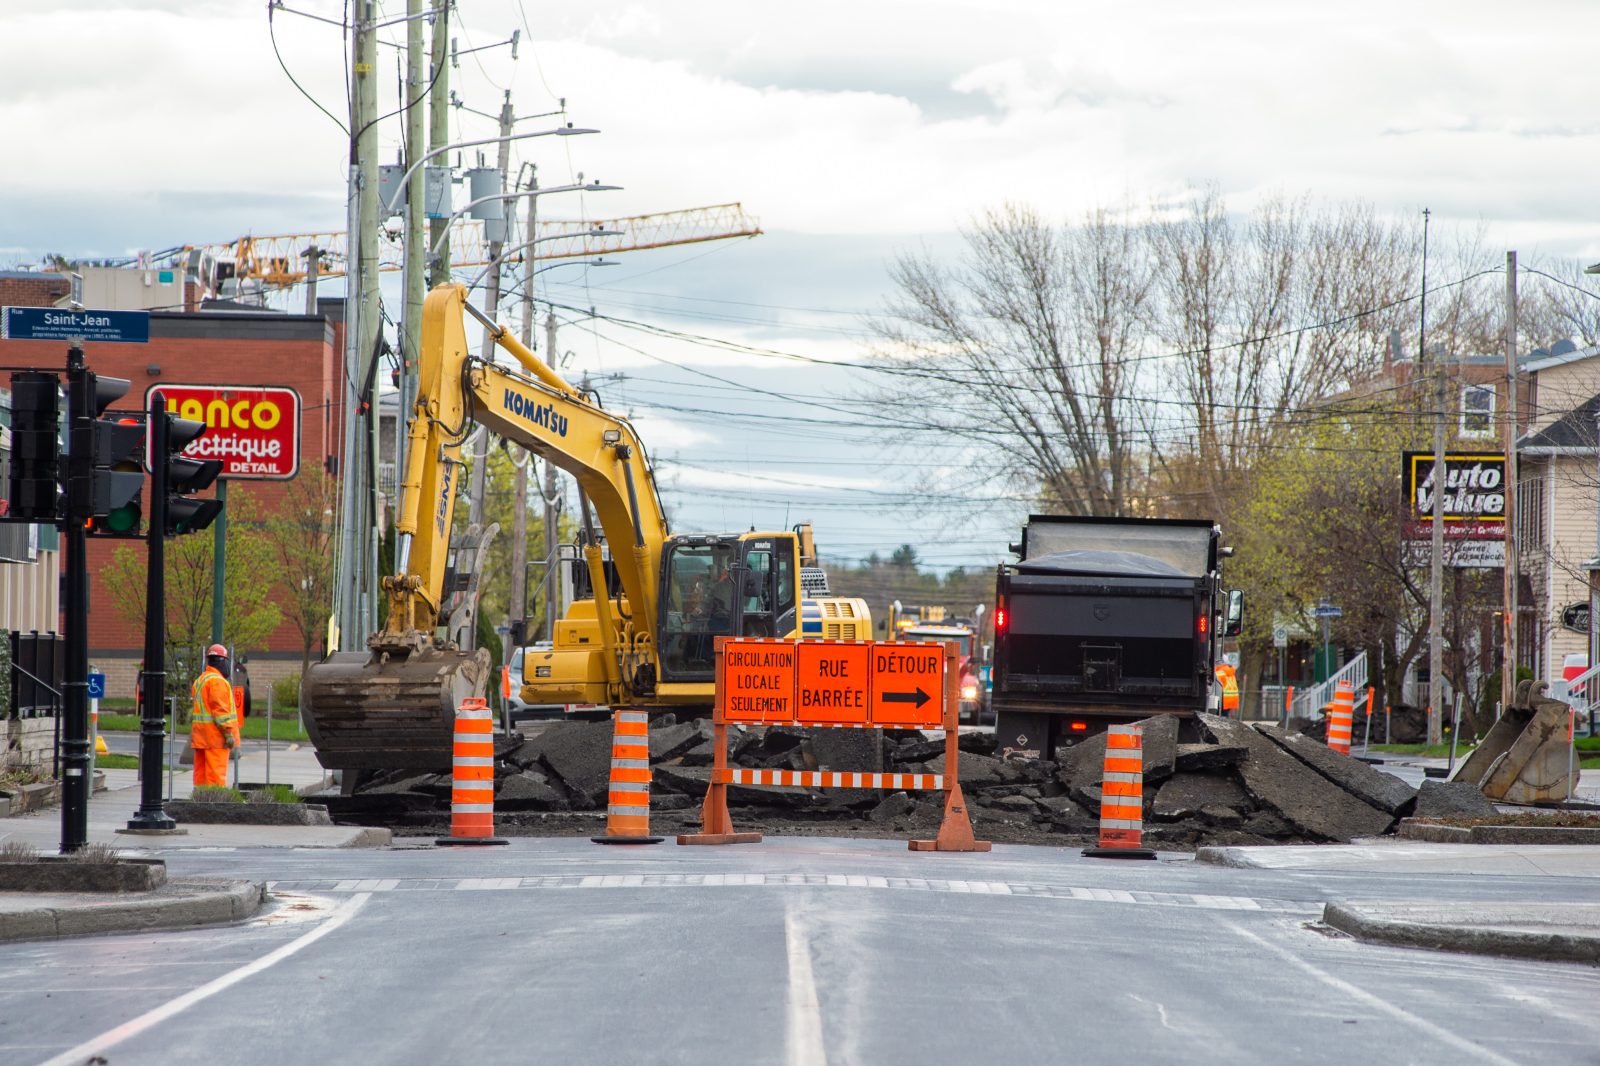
{"type": "Point", "coordinates": [519, 522]}
{"type": "Point", "coordinates": [480, 450]}
{"type": "Point", "coordinates": [1508, 676]}
{"type": "Point", "coordinates": [439, 133]}
{"type": "Point", "coordinates": [414, 267]}
{"type": "Point", "coordinates": [313, 257]}
{"type": "Point", "coordinates": [357, 541]}
{"type": "Point", "coordinates": [1441, 479]}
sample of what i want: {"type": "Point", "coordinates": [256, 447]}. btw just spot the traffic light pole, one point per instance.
{"type": "Point", "coordinates": [152, 816]}
{"type": "Point", "coordinates": [76, 760]}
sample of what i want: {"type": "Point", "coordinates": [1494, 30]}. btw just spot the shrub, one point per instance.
{"type": "Point", "coordinates": [96, 855]}
{"type": "Point", "coordinates": [217, 794]}
{"type": "Point", "coordinates": [18, 851]}
{"type": "Point", "coordinates": [286, 692]}
{"type": "Point", "coordinates": [275, 794]}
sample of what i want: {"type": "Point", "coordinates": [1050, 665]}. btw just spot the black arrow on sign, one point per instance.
{"type": "Point", "coordinates": [918, 697]}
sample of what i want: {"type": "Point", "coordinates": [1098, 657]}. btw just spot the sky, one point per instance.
{"type": "Point", "coordinates": [853, 132]}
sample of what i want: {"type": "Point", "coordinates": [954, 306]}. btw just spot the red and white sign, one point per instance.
{"type": "Point", "coordinates": [253, 429]}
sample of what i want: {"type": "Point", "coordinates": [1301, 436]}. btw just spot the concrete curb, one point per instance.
{"type": "Point", "coordinates": [1475, 940]}
{"type": "Point", "coordinates": [370, 837]}
{"type": "Point", "coordinates": [1224, 856]}
{"type": "Point", "coordinates": [182, 903]}
{"type": "Point", "coordinates": [1496, 834]}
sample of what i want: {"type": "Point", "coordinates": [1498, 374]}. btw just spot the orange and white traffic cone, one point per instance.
{"type": "Point", "coordinates": [628, 798]}
{"type": "Point", "coordinates": [1341, 717]}
{"type": "Point", "coordinates": [1122, 797]}
{"type": "Point", "coordinates": [472, 777]}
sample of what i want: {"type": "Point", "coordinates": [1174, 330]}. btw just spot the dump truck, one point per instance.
{"type": "Point", "coordinates": [640, 635]}
{"type": "Point", "coordinates": [1106, 620]}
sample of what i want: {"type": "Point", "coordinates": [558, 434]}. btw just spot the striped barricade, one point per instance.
{"type": "Point", "coordinates": [628, 796]}
{"type": "Point", "coordinates": [1122, 797]}
{"type": "Point", "coordinates": [775, 706]}
{"type": "Point", "coordinates": [472, 777]}
{"type": "Point", "coordinates": [1341, 717]}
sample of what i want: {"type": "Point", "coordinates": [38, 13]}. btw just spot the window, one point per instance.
{"type": "Point", "coordinates": [1477, 411]}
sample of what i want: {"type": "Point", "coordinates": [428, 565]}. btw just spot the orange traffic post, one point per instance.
{"type": "Point", "coordinates": [1122, 797]}
{"type": "Point", "coordinates": [472, 777]}
{"type": "Point", "coordinates": [1288, 702]}
{"type": "Point", "coordinates": [1366, 739]}
{"type": "Point", "coordinates": [955, 831]}
{"type": "Point", "coordinates": [1341, 717]}
{"type": "Point", "coordinates": [628, 798]}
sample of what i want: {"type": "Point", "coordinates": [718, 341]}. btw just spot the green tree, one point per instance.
{"type": "Point", "coordinates": [249, 614]}
{"type": "Point", "coordinates": [302, 537]}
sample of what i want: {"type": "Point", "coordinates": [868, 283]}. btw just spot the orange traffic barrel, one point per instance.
{"type": "Point", "coordinates": [1341, 717]}
{"type": "Point", "coordinates": [472, 777]}
{"type": "Point", "coordinates": [628, 797]}
{"type": "Point", "coordinates": [1122, 797]}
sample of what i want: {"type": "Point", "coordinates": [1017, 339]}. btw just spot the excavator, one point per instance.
{"type": "Point", "coordinates": [642, 638]}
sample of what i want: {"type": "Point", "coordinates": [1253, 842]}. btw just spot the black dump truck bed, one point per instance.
{"type": "Point", "coordinates": [1104, 620]}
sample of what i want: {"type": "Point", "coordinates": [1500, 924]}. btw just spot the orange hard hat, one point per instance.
{"type": "Point", "coordinates": [216, 651]}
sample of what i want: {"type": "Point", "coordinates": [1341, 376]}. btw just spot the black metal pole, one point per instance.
{"type": "Point", "coordinates": [75, 758]}
{"type": "Point", "coordinates": [153, 680]}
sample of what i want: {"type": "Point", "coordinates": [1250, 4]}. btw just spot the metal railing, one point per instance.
{"type": "Point", "coordinates": [1583, 693]}
{"type": "Point", "coordinates": [1315, 697]}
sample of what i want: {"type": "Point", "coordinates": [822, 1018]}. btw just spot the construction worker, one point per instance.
{"type": "Point", "coordinates": [1228, 678]}
{"type": "Point", "coordinates": [214, 723]}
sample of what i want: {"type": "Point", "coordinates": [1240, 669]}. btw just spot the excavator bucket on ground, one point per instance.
{"type": "Point", "coordinates": [1527, 757]}
{"type": "Point", "coordinates": [381, 712]}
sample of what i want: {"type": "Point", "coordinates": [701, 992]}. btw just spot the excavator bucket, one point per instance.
{"type": "Point", "coordinates": [381, 712]}
{"type": "Point", "coordinates": [1527, 756]}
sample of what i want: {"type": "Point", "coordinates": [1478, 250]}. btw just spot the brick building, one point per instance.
{"type": "Point", "coordinates": [218, 344]}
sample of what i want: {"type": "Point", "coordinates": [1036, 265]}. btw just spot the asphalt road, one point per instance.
{"type": "Point", "coordinates": [790, 952]}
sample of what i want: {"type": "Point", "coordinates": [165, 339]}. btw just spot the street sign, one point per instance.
{"type": "Point", "coordinates": [59, 324]}
{"type": "Point", "coordinates": [898, 684]}
{"type": "Point", "coordinates": [1327, 610]}
{"type": "Point", "coordinates": [757, 682]}
{"type": "Point", "coordinates": [97, 686]}
{"type": "Point", "coordinates": [1280, 636]}
{"type": "Point", "coordinates": [907, 684]}
{"type": "Point", "coordinates": [833, 677]}
{"type": "Point", "coordinates": [254, 430]}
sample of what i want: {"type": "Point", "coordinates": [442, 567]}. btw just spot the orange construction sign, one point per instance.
{"type": "Point", "coordinates": [897, 684]}
{"type": "Point", "coordinates": [908, 685]}
{"type": "Point", "coordinates": [833, 677]}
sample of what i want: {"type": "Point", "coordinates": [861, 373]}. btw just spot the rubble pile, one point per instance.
{"type": "Point", "coordinates": [1236, 784]}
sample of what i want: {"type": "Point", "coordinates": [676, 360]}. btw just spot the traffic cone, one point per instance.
{"type": "Point", "coordinates": [628, 798]}
{"type": "Point", "coordinates": [1122, 797]}
{"type": "Point", "coordinates": [472, 777]}
{"type": "Point", "coordinates": [1341, 717]}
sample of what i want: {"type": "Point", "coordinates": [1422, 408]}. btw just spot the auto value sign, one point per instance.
{"type": "Point", "coordinates": [253, 429]}
{"type": "Point", "coordinates": [1474, 503]}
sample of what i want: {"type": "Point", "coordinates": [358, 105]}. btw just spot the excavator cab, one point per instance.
{"type": "Point", "coordinates": [730, 585]}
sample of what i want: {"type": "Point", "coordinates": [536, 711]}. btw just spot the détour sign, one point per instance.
{"type": "Point", "coordinates": [1474, 500]}
{"type": "Point", "coordinates": [253, 429]}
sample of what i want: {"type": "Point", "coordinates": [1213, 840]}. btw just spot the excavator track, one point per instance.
{"type": "Point", "coordinates": [377, 712]}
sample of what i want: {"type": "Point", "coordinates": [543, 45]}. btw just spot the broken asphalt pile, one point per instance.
{"type": "Point", "coordinates": [1237, 784]}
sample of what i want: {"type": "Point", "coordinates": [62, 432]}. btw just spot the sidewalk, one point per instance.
{"type": "Point", "coordinates": [1537, 929]}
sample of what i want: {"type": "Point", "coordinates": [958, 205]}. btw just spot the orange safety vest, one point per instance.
{"type": "Point", "coordinates": [1229, 681]}
{"type": "Point", "coordinates": [213, 710]}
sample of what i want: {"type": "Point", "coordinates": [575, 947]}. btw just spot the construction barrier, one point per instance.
{"type": "Point", "coordinates": [1122, 797]}
{"type": "Point", "coordinates": [1341, 717]}
{"type": "Point", "coordinates": [771, 686]}
{"type": "Point", "coordinates": [628, 796]}
{"type": "Point", "coordinates": [472, 777]}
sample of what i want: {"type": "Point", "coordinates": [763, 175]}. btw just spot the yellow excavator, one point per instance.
{"type": "Point", "coordinates": [642, 637]}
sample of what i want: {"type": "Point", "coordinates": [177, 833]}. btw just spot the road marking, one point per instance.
{"type": "Point", "coordinates": [1034, 889]}
{"type": "Point", "coordinates": [1376, 1003]}
{"type": "Point", "coordinates": [148, 1020]}
{"type": "Point", "coordinates": [805, 1010]}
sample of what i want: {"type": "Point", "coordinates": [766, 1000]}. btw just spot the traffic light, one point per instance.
{"type": "Point", "coordinates": [34, 482]}
{"type": "Point", "coordinates": [103, 453]}
{"type": "Point", "coordinates": [125, 520]}
{"type": "Point", "coordinates": [185, 475]}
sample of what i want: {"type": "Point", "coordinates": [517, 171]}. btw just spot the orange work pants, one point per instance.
{"type": "Point", "coordinates": [211, 767]}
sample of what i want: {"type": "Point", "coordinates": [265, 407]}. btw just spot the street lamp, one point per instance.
{"type": "Point", "coordinates": [593, 186]}
{"type": "Point", "coordinates": [598, 231]}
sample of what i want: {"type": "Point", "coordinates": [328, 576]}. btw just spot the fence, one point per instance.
{"type": "Point", "coordinates": [1583, 693]}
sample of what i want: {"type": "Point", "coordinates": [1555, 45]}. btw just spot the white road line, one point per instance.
{"type": "Point", "coordinates": [112, 1037]}
{"type": "Point", "coordinates": [805, 1012]}
{"type": "Point", "coordinates": [1376, 1003]}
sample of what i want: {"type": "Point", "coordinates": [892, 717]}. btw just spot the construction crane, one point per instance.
{"type": "Point", "coordinates": [279, 261]}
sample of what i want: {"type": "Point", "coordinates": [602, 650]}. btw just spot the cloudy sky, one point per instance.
{"type": "Point", "coordinates": [851, 131]}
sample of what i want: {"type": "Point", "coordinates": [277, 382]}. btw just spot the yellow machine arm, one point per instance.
{"type": "Point", "coordinates": [545, 415]}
